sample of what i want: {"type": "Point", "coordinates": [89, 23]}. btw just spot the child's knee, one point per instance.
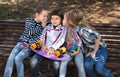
{"type": "Point", "coordinates": [33, 62]}
{"type": "Point", "coordinates": [18, 60]}
{"type": "Point", "coordinates": [88, 62]}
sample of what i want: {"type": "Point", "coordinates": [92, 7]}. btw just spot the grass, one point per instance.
{"type": "Point", "coordinates": [94, 10]}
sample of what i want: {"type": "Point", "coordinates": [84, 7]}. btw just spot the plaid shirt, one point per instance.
{"type": "Point", "coordinates": [32, 32]}
{"type": "Point", "coordinates": [88, 36]}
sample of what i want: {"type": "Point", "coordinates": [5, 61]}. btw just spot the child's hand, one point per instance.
{"type": "Point", "coordinates": [44, 48]}
{"type": "Point", "coordinates": [74, 53]}
{"type": "Point", "coordinates": [24, 45]}
{"type": "Point", "coordinates": [88, 54]}
{"type": "Point", "coordinates": [93, 55]}
{"type": "Point", "coordinates": [50, 51]}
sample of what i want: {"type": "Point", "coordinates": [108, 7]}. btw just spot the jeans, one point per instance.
{"type": "Point", "coordinates": [17, 55]}
{"type": "Point", "coordinates": [79, 60]}
{"type": "Point", "coordinates": [91, 65]}
{"type": "Point", "coordinates": [36, 60]}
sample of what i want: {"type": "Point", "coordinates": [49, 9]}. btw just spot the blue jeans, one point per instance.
{"type": "Point", "coordinates": [79, 60]}
{"type": "Point", "coordinates": [91, 65]}
{"type": "Point", "coordinates": [36, 60]}
{"type": "Point", "coordinates": [17, 55]}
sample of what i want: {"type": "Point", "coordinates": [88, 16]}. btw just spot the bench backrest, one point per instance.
{"type": "Point", "coordinates": [10, 31]}
{"type": "Point", "coordinates": [111, 35]}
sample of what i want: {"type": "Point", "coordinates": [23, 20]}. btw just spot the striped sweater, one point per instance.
{"type": "Point", "coordinates": [32, 32]}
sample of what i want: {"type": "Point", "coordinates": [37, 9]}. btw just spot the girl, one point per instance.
{"type": "Point", "coordinates": [96, 51]}
{"type": "Point", "coordinates": [71, 20]}
{"type": "Point", "coordinates": [32, 32]}
{"type": "Point", "coordinates": [53, 37]}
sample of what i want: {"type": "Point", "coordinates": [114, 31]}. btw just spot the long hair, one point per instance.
{"type": "Point", "coordinates": [75, 16]}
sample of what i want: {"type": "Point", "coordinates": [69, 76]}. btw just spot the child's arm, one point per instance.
{"type": "Point", "coordinates": [96, 47]}
{"type": "Point", "coordinates": [50, 50]}
{"type": "Point", "coordinates": [33, 38]}
{"type": "Point", "coordinates": [26, 34]}
{"type": "Point", "coordinates": [44, 48]}
{"type": "Point", "coordinates": [43, 24]}
{"type": "Point", "coordinates": [76, 52]}
{"type": "Point", "coordinates": [24, 45]}
{"type": "Point", "coordinates": [37, 36]}
{"type": "Point", "coordinates": [30, 31]}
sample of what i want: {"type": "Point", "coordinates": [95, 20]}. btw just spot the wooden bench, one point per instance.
{"type": "Point", "coordinates": [10, 31]}
{"type": "Point", "coordinates": [111, 35]}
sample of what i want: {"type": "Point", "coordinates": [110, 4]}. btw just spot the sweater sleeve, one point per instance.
{"type": "Point", "coordinates": [25, 36]}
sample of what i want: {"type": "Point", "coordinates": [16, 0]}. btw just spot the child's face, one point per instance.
{"type": "Point", "coordinates": [42, 17]}
{"type": "Point", "coordinates": [55, 20]}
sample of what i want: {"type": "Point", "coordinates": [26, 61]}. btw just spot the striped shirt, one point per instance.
{"type": "Point", "coordinates": [88, 36]}
{"type": "Point", "coordinates": [32, 32]}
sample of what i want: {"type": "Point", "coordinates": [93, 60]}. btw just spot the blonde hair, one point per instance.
{"type": "Point", "coordinates": [75, 16]}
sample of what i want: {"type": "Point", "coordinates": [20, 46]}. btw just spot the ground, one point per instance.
{"type": "Point", "coordinates": [97, 11]}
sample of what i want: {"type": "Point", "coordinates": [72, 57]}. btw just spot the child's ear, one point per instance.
{"type": "Point", "coordinates": [36, 14]}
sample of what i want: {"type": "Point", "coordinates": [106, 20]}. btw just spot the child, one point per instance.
{"type": "Point", "coordinates": [53, 38]}
{"type": "Point", "coordinates": [71, 20]}
{"type": "Point", "coordinates": [32, 32]}
{"type": "Point", "coordinates": [96, 51]}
